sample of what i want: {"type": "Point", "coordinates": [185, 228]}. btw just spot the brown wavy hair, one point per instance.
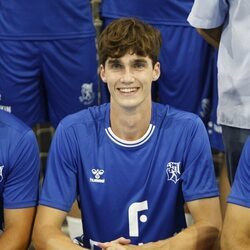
{"type": "Point", "coordinates": [129, 35]}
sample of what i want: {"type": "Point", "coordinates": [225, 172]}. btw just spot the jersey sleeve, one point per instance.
{"type": "Point", "coordinates": [240, 193]}
{"type": "Point", "coordinates": [208, 14]}
{"type": "Point", "coordinates": [59, 187]}
{"type": "Point", "coordinates": [198, 178]}
{"type": "Point", "coordinates": [21, 186]}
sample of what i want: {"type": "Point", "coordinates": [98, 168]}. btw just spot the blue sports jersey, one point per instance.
{"type": "Point", "coordinates": [19, 165]}
{"type": "Point", "coordinates": [45, 19]}
{"type": "Point", "coordinates": [166, 12]}
{"type": "Point", "coordinates": [134, 189]}
{"type": "Point", "coordinates": [240, 193]}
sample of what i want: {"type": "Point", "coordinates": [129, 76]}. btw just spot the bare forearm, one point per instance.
{"type": "Point", "coordinates": [51, 238]}
{"type": "Point", "coordinates": [14, 239]}
{"type": "Point", "coordinates": [232, 243]}
{"type": "Point", "coordinates": [200, 235]}
{"type": "Point", "coordinates": [196, 237]}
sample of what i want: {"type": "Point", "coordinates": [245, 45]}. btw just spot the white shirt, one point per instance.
{"type": "Point", "coordinates": [233, 58]}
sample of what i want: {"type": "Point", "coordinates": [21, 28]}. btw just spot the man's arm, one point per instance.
{"type": "Point", "coordinates": [212, 36]}
{"type": "Point", "coordinates": [203, 234]}
{"type": "Point", "coordinates": [18, 228]}
{"type": "Point", "coordinates": [47, 232]}
{"type": "Point", "coordinates": [236, 228]}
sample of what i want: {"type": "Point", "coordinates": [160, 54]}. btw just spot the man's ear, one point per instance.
{"type": "Point", "coordinates": [156, 71]}
{"type": "Point", "coordinates": [102, 73]}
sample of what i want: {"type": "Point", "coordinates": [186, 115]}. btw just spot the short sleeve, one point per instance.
{"type": "Point", "coordinates": [208, 14]}
{"type": "Point", "coordinates": [59, 187]}
{"type": "Point", "coordinates": [198, 178]}
{"type": "Point", "coordinates": [21, 186]}
{"type": "Point", "coordinates": [240, 193]}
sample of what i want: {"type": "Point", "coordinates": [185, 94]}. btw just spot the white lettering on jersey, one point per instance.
{"type": "Point", "coordinates": [133, 219]}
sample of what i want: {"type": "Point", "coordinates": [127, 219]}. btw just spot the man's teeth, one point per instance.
{"type": "Point", "coordinates": [127, 90]}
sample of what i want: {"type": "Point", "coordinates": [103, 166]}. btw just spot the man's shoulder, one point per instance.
{"type": "Point", "coordinates": [86, 117]}
{"type": "Point", "coordinates": [176, 120]}
{"type": "Point", "coordinates": [175, 114]}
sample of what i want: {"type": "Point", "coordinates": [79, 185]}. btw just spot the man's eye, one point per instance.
{"type": "Point", "coordinates": [139, 65]}
{"type": "Point", "coordinates": [116, 66]}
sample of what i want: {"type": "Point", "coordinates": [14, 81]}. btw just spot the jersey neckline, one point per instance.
{"type": "Point", "coordinates": [126, 143]}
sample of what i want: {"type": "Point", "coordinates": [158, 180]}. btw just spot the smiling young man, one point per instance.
{"type": "Point", "coordinates": [131, 163]}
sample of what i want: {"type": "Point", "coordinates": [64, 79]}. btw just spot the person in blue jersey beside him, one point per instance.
{"type": "Point", "coordinates": [235, 233]}
{"type": "Point", "coordinates": [48, 64]}
{"type": "Point", "coordinates": [131, 163]}
{"type": "Point", "coordinates": [19, 179]}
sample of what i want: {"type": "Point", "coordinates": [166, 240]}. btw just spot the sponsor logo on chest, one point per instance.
{"type": "Point", "coordinates": [97, 175]}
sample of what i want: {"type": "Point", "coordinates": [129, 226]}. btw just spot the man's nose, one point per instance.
{"type": "Point", "coordinates": [127, 76]}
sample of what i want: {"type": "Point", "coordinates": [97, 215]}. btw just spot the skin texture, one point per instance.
{"type": "Point", "coordinates": [47, 232]}
{"type": "Point", "coordinates": [235, 233]}
{"type": "Point", "coordinates": [18, 227]}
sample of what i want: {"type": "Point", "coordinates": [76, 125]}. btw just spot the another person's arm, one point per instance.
{"type": "Point", "coordinates": [212, 36]}
{"type": "Point", "coordinates": [47, 233]}
{"type": "Point", "coordinates": [235, 233]}
{"type": "Point", "coordinates": [18, 227]}
{"type": "Point", "coordinates": [208, 17]}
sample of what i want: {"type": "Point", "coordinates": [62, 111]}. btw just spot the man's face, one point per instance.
{"type": "Point", "coordinates": [129, 79]}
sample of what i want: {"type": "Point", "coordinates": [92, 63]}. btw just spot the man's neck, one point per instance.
{"type": "Point", "coordinates": [130, 124]}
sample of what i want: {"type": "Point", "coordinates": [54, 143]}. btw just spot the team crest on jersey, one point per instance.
{"type": "Point", "coordinates": [173, 171]}
{"type": "Point", "coordinates": [97, 175]}
{"type": "Point", "coordinates": [87, 94]}
{"type": "Point", "coordinates": [1, 172]}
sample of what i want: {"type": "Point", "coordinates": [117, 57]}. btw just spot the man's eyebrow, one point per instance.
{"type": "Point", "coordinates": [141, 60]}
{"type": "Point", "coordinates": [115, 60]}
